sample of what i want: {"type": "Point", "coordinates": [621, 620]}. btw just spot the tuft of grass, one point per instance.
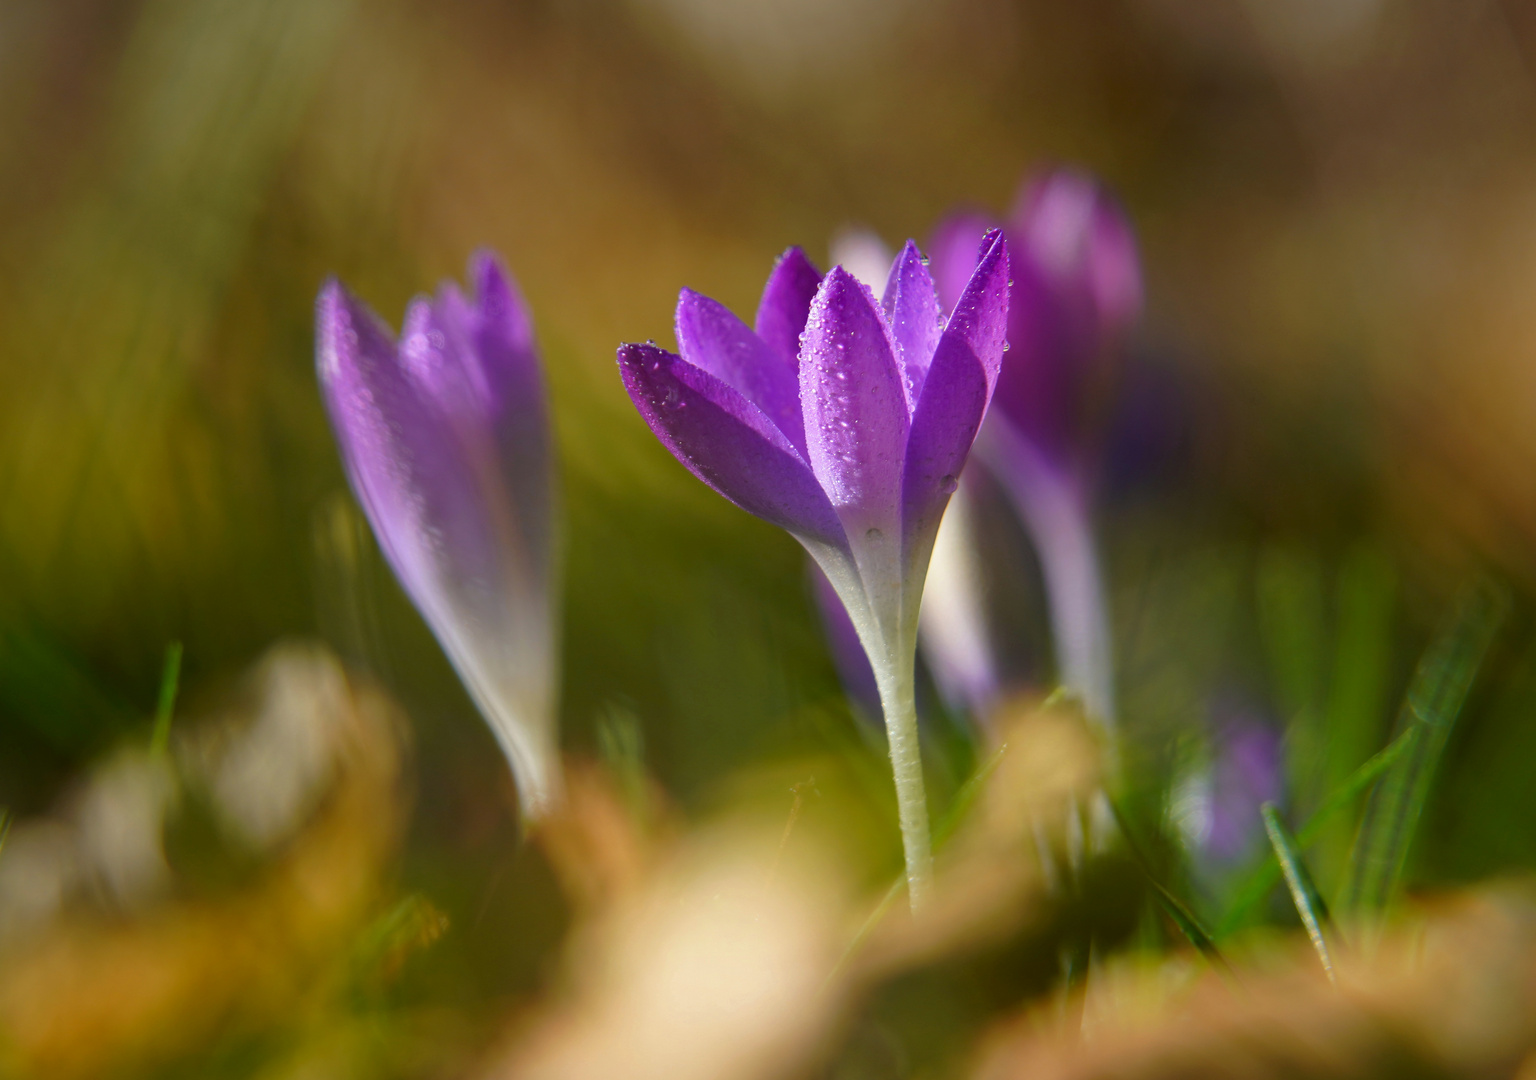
{"type": "Point", "coordinates": [1435, 697]}
{"type": "Point", "coordinates": [1267, 875]}
{"type": "Point", "coordinates": [1177, 911]}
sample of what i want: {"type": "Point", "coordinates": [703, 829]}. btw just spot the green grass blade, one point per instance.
{"type": "Point", "coordinates": [1435, 697]}
{"type": "Point", "coordinates": [1309, 902]}
{"type": "Point", "coordinates": [1291, 606]}
{"type": "Point", "coordinates": [1359, 683]}
{"type": "Point", "coordinates": [1267, 875]}
{"type": "Point", "coordinates": [170, 682]}
{"type": "Point", "coordinates": [1176, 909]}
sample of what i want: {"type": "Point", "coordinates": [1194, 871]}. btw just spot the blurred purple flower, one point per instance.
{"type": "Point", "coordinates": [446, 443]}
{"type": "Point", "coordinates": [1076, 290]}
{"type": "Point", "coordinates": [1245, 774]}
{"type": "Point", "coordinates": [1216, 804]}
{"type": "Point", "coordinates": [845, 420]}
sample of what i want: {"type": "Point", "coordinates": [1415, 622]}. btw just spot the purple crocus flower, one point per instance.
{"type": "Point", "coordinates": [1216, 803]}
{"type": "Point", "coordinates": [845, 420]}
{"type": "Point", "coordinates": [1076, 292]}
{"type": "Point", "coordinates": [1246, 774]}
{"type": "Point", "coordinates": [446, 443]}
{"type": "Point", "coordinates": [952, 628]}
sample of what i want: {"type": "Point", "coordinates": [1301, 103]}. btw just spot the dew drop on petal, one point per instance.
{"type": "Point", "coordinates": [873, 534]}
{"type": "Point", "coordinates": [948, 483]}
{"type": "Point", "coordinates": [1005, 346]}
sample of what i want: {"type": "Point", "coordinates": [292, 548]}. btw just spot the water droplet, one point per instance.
{"type": "Point", "coordinates": [873, 534]}
{"type": "Point", "coordinates": [1005, 346]}
{"type": "Point", "coordinates": [924, 260]}
{"type": "Point", "coordinates": [948, 483]}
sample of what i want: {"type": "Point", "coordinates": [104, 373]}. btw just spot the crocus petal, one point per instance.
{"type": "Point", "coordinates": [404, 463]}
{"type": "Point", "coordinates": [955, 398]}
{"type": "Point", "coordinates": [712, 338]}
{"type": "Point", "coordinates": [727, 442]}
{"type": "Point", "coordinates": [501, 330]}
{"type": "Point", "coordinates": [501, 333]}
{"type": "Point", "coordinates": [477, 361]}
{"type": "Point", "coordinates": [912, 308]}
{"type": "Point", "coordinates": [954, 250]}
{"type": "Point", "coordinates": [856, 417]}
{"type": "Point", "coordinates": [786, 303]}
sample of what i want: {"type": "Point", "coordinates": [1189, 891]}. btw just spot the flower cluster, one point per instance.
{"type": "Point", "coordinates": [844, 417]}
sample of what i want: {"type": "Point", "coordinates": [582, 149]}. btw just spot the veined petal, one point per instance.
{"type": "Point", "coordinates": [856, 417]}
{"type": "Point", "coordinates": [501, 331]}
{"type": "Point", "coordinates": [710, 337]}
{"type": "Point", "coordinates": [912, 308]}
{"type": "Point", "coordinates": [475, 360]}
{"type": "Point", "coordinates": [404, 463]}
{"type": "Point", "coordinates": [955, 398]}
{"type": "Point", "coordinates": [786, 303]}
{"type": "Point", "coordinates": [727, 442]}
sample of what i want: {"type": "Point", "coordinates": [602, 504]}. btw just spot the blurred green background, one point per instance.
{"type": "Point", "coordinates": [1337, 206]}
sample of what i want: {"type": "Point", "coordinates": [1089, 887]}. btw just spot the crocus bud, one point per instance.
{"type": "Point", "coordinates": [1076, 292]}
{"type": "Point", "coordinates": [445, 439]}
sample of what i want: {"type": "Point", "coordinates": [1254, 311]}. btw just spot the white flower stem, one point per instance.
{"type": "Point", "coordinates": [1079, 621]}
{"type": "Point", "coordinates": [895, 675]}
{"type": "Point", "coordinates": [886, 621]}
{"type": "Point", "coordinates": [1054, 509]}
